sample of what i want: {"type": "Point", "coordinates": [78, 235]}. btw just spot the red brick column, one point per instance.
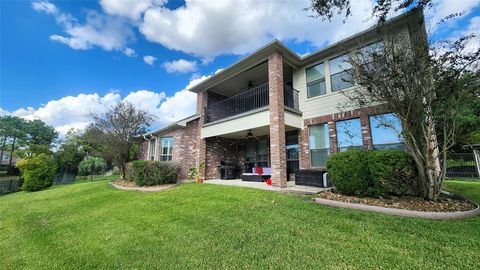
{"type": "Point", "coordinates": [202, 144]}
{"type": "Point", "coordinates": [304, 151]}
{"type": "Point", "coordinates": [277, 121]}
{"type": "Point", "coordinates": [201, 101]}
{"type": "Point", "coordinates": [332, 132]}
{"type": "Point", "coordinates": [366, 132]}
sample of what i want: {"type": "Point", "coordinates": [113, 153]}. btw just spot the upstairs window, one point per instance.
{"type": "Point", "coordinates": [340, 73]}
{"type": "Point", "coordinates": [386, 132]}
{"type": "Point", "coordinates": [349, 134]}
{"type": "Point", "coordinates": [319, 144]}
{"type": "Point", "coordinates": [152, 149]}
{"type": "Point", "coordinates": [372, 51]}
{"type": "Point", "coordinates": [316, 80]}
{"type": "Point", "coordinates": [166, 149]}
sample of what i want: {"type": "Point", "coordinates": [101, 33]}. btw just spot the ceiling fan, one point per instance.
{"type": "Point", "coordinates": [250, 135]}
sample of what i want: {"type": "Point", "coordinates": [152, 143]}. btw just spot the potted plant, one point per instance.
{"type": "Point", "coordinates": [195, 173]}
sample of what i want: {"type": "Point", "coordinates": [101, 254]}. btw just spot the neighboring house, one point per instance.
{"type": "Point", "coordinates": [5, 160]}
{"type": "Point", "coordinates": [277, 109]}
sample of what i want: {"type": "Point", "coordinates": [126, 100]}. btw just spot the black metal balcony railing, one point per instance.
{"type": "Point", "coordinates": [247, 101]}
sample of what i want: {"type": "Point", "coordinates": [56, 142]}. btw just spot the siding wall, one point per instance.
{"type": "Point", "coordinates": [328, 103]}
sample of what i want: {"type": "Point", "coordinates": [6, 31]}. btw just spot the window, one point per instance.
{"type": "Point", "coordinates": [262, 153]}
{"type": "Point", "coordinates": [349, 134]}
{"type": "Point", "coordinates": [318, 142]}
{"type": "Point", "coordinates": [250, 151]}
{"type": "Point", "coordinates": [292, 147]}
{"type": "Point", "coordinates": [167, 149]}
{"type": "Point", "coordinates": [316, 80]}
{"type": "Point", "coordinates": [372, 51]}
{"type": "Point", "coordinates": [386, 132]}
{"type": "Point", "coordinates": [339, 73]}
{"type": "Point", "coordinates": [152, 149]}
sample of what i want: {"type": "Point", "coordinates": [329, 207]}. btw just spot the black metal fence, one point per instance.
{"type": "Point", "coordinates": [11, 185]}
{"type": "Point", "coordinates": [462, 165]}
{"type": "Point", "coordinates": [65, 175]}
{"type": "Point", "coordinates": [247, 101]}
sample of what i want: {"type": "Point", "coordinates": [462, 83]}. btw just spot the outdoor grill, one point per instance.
{"type": "Point", "coordinates": [227, 170]}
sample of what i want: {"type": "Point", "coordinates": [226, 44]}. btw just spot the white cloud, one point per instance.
{"type": "Point", "coordinates": [150, 60]}
{"type": "Point", "coordinates": [239, 27]}
{"type": "Point", "coordinates": [45, 6]}
{"type": "Point", "coordinates": [74, 111]}
{"type": "Point", "coordinates": [99, 30]}
{"type": "Point", "coordinates": [132, 9]}
{"type": "Point", "coordinates": [442, 8]}
{"type": "Point", "coordinates": [180, 66]}
{"type": "Point", "coordinates": [129, 52]}
{"type": "Point", "coordinates": [181, 105]}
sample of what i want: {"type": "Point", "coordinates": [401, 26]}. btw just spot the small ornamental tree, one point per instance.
{"type": "Point", "coordinates": [92, 166]}
{"type": "Point", "coordinates": [38, 172]}
{"type": "Point", "coordinates": [117, 130]}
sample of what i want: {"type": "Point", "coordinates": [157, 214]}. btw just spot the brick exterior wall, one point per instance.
{"type": "Point", "coordinates": [143, 151]}
{"type": "Point", "coordinates": [277, 121]}
{"type": "Point", "coordinates": [330, 119]}
{"type": "Point", "coordinates": [185, 148]}
{"type": "Point", "coordinates": [218, 149]}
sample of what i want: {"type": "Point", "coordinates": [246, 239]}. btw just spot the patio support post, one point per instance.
{"type": "Point", "coordinates": [277, 121]}
{"type": "Point", "coordinates": [202, 143]}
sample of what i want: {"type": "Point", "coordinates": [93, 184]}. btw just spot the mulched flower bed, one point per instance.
{"type": "Point", "coordinates": [125, 183]}
{"type": "Point", "coordinates": [444, 204]}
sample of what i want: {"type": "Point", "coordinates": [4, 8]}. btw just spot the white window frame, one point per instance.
{"type": "Point", "coordinates": [169, 153]}
{"type": "Point", "coordinates": [154, 156]}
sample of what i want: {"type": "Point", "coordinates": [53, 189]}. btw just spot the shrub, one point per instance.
{"type": "Point", "coordinates": [92, 166]}
{"type": "Point", "coordinates": [149, 173]}
{"type": "Point", "coordinates": [372, 173]}
{"type": "Point", "coordinates": [394, 171]}
{"type": "Point", "coordinates": [349, 172]}
{"type": "Point", "coordinates": [38, 172]}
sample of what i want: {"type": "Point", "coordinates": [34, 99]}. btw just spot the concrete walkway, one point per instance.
{"type": "Point", "coordinates": [291, 187]}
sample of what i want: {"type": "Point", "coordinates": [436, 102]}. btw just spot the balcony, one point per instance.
{"type": "Point", "coordinates": [249, 100]}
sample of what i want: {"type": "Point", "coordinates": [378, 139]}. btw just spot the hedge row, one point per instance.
{"type": "Point", "coordinates": [373, 173]}
{"type": "Point", "coordinates": [150, 173]}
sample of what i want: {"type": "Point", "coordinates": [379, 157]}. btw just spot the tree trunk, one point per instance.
{"type": "Point", "coordinates": [11, 152]}
{"type": "Point", "coordinates": [122, 170]}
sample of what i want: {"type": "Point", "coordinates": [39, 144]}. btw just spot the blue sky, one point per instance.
{"type": "Point", "coordinates": [62, 60]}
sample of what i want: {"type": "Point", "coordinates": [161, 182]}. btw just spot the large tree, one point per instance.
{"type": "Point", "coordinates": [326, 9]}
{"type": "Point", "coordinates": [13, 134]}
{"type": "Point", "coordinates": [429, 89]}
{"type": "Point", "coordinates": [116, 131]}
{"type": "Point", "coordinates": [38, 139]}
{"type": "Point", "coordinates": [71, 151]}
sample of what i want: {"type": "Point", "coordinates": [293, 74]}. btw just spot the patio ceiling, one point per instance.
{"type": "Point", "coordinates": [257, 75]}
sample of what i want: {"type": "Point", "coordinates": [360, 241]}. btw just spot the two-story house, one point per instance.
{"type": "Point", "coordinates": [278, 110]}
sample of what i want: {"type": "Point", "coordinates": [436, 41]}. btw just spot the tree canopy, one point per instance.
{"type": "Point", "coordinates": [115, 132]}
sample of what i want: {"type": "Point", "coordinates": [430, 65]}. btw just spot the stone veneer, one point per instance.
{"type": "Point", "coordinates": [330, 119]}
{"type": "Point", "coordinates": [278, 157]}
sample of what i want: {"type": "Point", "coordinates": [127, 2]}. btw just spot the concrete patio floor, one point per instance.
{"type": "Point", "coordinates": [291, 187]}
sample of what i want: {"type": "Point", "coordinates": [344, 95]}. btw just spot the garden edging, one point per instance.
{"type": "Point", "coordinates": [402, 212]}
{"type": "Point", "coordinates": [144, 189]}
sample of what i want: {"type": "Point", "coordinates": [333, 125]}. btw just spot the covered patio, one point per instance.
{"type": "Point", "coordinates": [291, 187]}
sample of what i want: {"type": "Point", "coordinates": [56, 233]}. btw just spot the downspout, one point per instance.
{"type": "Point", "coordinates": [148, 147]}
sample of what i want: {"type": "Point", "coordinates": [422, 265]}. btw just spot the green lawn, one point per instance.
{"type": "Point", "coordinates": [92, 225]}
